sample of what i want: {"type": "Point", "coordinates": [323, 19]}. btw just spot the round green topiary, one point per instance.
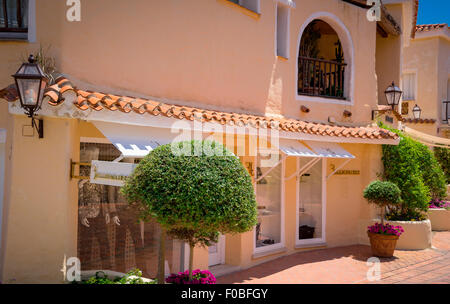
{"type": "Point", "coordinates": [194, 197]}
{"type": "Point", "coordinates": [382, 194]}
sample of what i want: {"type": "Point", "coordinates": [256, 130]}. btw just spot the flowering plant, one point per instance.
{"type": "Point", "coordinates": [198, 277]}
{"type": "Point", "coordinates": [436, 204]}
{"type": "Point", "coordinates": [386, 229]}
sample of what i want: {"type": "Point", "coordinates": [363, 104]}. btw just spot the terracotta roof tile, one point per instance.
{"type": "Point", "coordinates": [419, 121]}
{"type": "Point", "coordinates": [99, 101]}
{"type": "Point", "coordinates": [430, 27]}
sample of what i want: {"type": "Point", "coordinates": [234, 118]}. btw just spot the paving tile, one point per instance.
{"type": "Point", "coordinates": [347, 265]}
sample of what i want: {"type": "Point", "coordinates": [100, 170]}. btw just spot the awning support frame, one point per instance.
{"type": "Point", "coordinates": [273, 167]}
{"type": "Point", "coordinates": [339, 168]}
{"type": "Point", "coordinates": [305, 168]}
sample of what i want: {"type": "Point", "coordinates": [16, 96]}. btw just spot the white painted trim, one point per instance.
{"type": "Point", "coordinates": [324, 214]}
{"type": "Point", "coordinates": [220, 251]}
{"type": "Point", "coordinates": [281, 244]}
{"type": "Point", "coordinates": [349, 55]}
{"type": "Point", "coordinates": [288, 3]}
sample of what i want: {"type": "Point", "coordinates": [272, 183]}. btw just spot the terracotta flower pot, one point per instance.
{"type": "Point", "coordinates": [383, 245]}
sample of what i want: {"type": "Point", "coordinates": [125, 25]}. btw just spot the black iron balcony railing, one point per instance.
{"type": "Point", "coordinates": [446, 111]}
{"type": "Point", "coordinates": [318, 77]}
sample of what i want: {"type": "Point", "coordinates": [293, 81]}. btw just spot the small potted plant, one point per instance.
{"type": "Point", "coordinates": [383, 237]}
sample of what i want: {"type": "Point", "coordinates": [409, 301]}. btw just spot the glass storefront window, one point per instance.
{"type": "Point", "coordinates": [268, 197]}
{"type": "Point", "coordinates": [110, 236]}
{"type": "Point", "coordinates": [310, 209]}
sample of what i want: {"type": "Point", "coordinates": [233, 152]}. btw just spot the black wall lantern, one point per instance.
{"type": "Point", "coordinates": [393, 94]}
{"type": "Point", "coordinates": [417, 111]}
{"type": "Point", "coordinates": [31, 83]}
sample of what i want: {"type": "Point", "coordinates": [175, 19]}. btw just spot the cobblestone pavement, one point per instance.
{"type": "Point", "coordinates": [347, 265]}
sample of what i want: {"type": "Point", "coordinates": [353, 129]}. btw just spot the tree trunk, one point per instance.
{"type": "Point", "coordinates": [191, 260]}
{"type": "Point", "coordinates": [161, 256]}
{"type": "Point", "coordinates": [383, 209]}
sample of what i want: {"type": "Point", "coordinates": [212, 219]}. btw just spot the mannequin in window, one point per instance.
{"type": "Point", "coordinates": [92, 225]}
{"type": "Point", "coordinates": [125, 217]}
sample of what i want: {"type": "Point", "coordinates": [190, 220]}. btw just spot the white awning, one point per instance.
{"type": "Point", "coordinates": [329, 150]}
{"type": "Point", "coordinates": [313, 149]}
{"type": "Point", "coordinates": [295, 148]}
{"type": "Point", "coordinates": [137, 141]}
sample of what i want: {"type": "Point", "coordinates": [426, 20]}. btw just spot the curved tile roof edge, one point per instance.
{"type": "Point", "coordinates": [99, 101]}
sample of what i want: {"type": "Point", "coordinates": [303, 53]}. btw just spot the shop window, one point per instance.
{"type": "Point", "coordinates": [282, 31]}
{"type": "Point", "coordinates": [110, 236]}
{"type": "Point", "coordinates": [310, 204]}
{"type": "Point", "coordinates": [409, 86]}
{"type": "Point", "coordinates": [14, 19]}
{"type": "Point", "coordinates": [268, 231]}
{"type": "Point", "coordinates": [252, 5]}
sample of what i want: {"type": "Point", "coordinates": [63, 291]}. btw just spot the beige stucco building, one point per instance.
{"type": "Point", "coordinates": [132, 72]}
{"type": "Point", "coordinates": [426, 79]}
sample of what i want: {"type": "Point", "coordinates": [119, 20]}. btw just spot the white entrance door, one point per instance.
{"type": "Point", "coordinates": [217, 252]}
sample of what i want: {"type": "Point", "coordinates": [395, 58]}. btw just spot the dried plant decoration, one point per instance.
{"type": "Point", "coordinates": [47, 63]}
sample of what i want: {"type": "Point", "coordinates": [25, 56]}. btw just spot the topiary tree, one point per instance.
{"type": "Point", "coordinates": [382, 194]}
{"type": "Point", "coordinates": [194, 196]}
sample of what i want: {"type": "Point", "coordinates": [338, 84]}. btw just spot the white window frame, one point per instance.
{"type": "Point", "coordinates": [314, 241]}
{"type": "Point", "coordinates": [349, 53]}
{"type": "Point", "coordinates": [287, 42]}
{"type": "Point", "coordinates": [257, 2]}
{"type": "Point", "coordinates": [410, 72]}
{"type": "Point", "coordinates": [29, 36]}
{"type": "Point", "coordinates": [281, 244]}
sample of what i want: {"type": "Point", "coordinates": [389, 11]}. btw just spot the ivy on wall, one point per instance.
{"type": "Point", "coordinates": [413, 167]}
{"type": "Point", "coordinates": [443, 157]}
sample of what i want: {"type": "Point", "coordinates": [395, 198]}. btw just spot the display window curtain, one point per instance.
{"type": "Point", "coordinates": [14, 14]}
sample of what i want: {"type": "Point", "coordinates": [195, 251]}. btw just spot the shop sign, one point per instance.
{"type": "Point", "coordinates": [110, 173]}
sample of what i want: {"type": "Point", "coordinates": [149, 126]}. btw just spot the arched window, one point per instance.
{"type": "Point", "coordinates": [321, 62]}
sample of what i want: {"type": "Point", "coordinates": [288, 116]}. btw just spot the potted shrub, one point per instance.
{"type": "Point", "coordinates": [383, 237]}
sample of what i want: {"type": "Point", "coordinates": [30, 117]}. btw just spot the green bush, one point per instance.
{"type": "Point", "coordinates": [413, 168]}
{"type": "Point", "coordinates": [194, 197]}
{"type": "Point", "coordinates": [443, 157]}
{"type": "Point", "coordinates": [432, 173]}
{"type": "Point", "coordinates": [132, 277]}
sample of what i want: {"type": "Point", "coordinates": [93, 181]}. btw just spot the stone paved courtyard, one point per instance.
{"type": "Point", "coordinates": [347, 265]}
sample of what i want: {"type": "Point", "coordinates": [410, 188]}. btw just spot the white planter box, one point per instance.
{"type": "Point", "coordinates": [417, 235]}
{"type": "Point", "coordinates": [440, 219]}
